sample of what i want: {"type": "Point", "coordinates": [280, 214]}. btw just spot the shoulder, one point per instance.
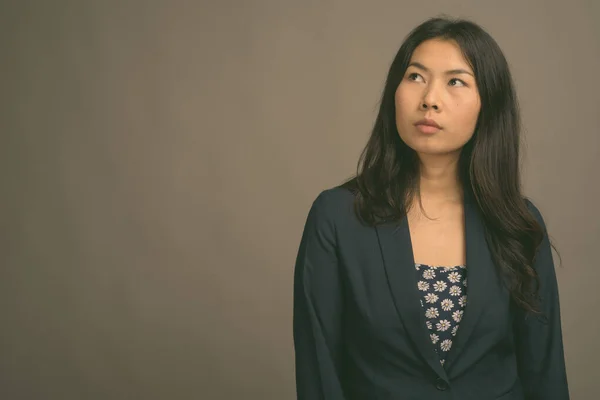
{"type": "Point", "coordinates": [536, 212]}
{"type": "Point", "coordinates": [543, 250]}
{"type": "Point", "coordinates": [333, 199]}
{"type": "Point", "coordinates": [332, 206]}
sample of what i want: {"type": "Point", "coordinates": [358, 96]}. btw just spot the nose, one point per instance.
{"type": "Point", "coordinates": [428, 105]}
{"type": "Point", "coordinates": [430, 100]}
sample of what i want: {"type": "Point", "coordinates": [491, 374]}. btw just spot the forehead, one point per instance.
{"type": "Point", "coordinates": [440, 55]}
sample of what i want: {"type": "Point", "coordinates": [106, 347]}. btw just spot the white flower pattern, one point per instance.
{"type": "Point", "coordinates": [429, 274]}
{"type": "Point", "coordinates": [447, 305]}
{"type": "Point", "coordinates": [455, 290]}
{"type": "Point", "coordinates": [440, 286]}
{"type": "Point", "coordinates": [446, 345]}
{"type": "Point", "coordinates": [443, 325]}
{"type": "Point", "coordinates": [431, 298]}
{"type": "Point", "coordinates": [432, 313]}
{"type": "Point", "coordinates": [457, 315]}
{"type": "Point", "coordinates": [444, 302]}
{"type": "Point", "coordinates": [454, 277]}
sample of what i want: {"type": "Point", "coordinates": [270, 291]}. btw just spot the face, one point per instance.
{"type": "Point", "coordinates": [438, 85]}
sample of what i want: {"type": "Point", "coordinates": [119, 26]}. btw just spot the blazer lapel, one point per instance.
{"type": "Point", "coordinates": [396, 247]}
{"type": "Point", "coordinates": [480, 273]}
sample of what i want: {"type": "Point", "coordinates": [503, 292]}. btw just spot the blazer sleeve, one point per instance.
{"type": "Point", "coordinates": [318, 301]}
{"type": "Point", "coordinates": [539, 342]}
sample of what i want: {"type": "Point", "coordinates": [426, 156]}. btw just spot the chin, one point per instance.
{"type": "Point", "coordinates": [432, 145]}
{"type": "Point", "coordinates": [433, 149]}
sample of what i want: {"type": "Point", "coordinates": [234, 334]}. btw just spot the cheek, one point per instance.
{"type": "Point", "coordinates": [402, 101]}
{"type": "Point", "coordinates": [398, 97]}
{"type": "Point", "coordinates": [469, 111]}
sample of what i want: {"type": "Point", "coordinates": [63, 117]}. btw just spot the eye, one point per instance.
{"type": "Point", "coordinates": [462, 83]}
{"type": "Point", "coordinates": [413, 75]}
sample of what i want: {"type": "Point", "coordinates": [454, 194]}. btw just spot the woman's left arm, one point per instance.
{"type": "Point", "coordinates": [539, 341]}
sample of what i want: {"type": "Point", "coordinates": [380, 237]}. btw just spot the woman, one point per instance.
{"type": "Point", "coordinates": [429, 275]}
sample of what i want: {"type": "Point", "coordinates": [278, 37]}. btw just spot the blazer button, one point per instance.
{"type": "Point", "coordinates": [441, 384]}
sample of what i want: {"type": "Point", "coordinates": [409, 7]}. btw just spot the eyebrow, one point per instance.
{"type": "Point", "coordinates": [449, 72]}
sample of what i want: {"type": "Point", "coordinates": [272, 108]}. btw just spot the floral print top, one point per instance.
{"type": "Point", "coordinates": [443, 297]}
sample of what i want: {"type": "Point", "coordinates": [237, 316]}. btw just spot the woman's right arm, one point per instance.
{"type": "Point", "coordinates": [318, 302]}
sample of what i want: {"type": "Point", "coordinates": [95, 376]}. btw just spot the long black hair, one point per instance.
{"type": "Point", "coordinates": [387, 177]}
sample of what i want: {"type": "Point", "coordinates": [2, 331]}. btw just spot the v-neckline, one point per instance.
{"type": "Point", "coordinates": [396, 247]}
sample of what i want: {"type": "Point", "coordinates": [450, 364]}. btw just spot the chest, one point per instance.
{"type": "Point", "coordinates": [438, 238]}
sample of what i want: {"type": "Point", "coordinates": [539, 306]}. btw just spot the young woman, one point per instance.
{"type": "Point", "coordinates": [429, 275]}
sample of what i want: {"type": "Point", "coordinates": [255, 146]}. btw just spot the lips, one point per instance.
{"type": "Point", "coordinates": [428, 122]}
{"type": "Point", "coordinates": [428, 126]}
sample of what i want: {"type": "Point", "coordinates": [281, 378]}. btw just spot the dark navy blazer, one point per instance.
{"type": "Point", "coordinates": [360, 332]}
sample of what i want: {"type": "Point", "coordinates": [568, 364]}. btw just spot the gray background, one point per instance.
{"type": "Point", "coordinates": [159, 158]}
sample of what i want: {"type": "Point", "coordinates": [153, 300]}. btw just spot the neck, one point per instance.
{"type": "Point", "coordinates": [439, 180]}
